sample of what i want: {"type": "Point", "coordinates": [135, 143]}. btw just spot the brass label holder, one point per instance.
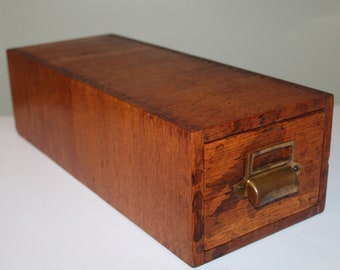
{"type": "Point", "coordinates": [272, 181]}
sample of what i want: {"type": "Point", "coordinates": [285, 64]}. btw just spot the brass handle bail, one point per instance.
{"type": "Point", "coordinates": [271, 181]}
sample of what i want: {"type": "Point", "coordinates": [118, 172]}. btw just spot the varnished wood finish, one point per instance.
{"type": "Point", "coordinates": [190, 92]}
{"type": "Point", "coordinates": [162, 136]}
{"type": "Point", "coordinates": [136, 161]}
{"type": "Point", "coordinates": [258, 234]}
{"type": "Point", "coordinates": [226, 216]}
{"type": "Point", "coordinates": [325, 152]}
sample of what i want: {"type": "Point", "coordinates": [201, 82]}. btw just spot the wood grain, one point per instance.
{"type": "Point", "coordinates": [325, 151]}
{"type": "Point", "coordinates": [259, 233]}
{"type": "Point", "coordinates": [226, 216]}
{"type": "Point", "coordinates": [193, 93]}
{"type": "Point", "coordinates": [142, 165]}
{"type": "Point", "coordinates": [162, 136]}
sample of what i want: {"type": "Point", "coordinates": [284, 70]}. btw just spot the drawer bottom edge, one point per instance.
{"type": "Point", "coordinates": [260, 233]}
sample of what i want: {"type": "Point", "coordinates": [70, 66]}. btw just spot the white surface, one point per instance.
{"type": "Point", "coordinates": [48, 220]}
{"type": "Point", "coordinates": [293, 40]}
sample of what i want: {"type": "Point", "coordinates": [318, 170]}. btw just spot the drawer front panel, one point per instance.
{"type": "Point", "coordinates": [228, 217]}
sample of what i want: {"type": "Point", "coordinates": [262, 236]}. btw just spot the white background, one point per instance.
{"type": "Point", "coordinates": [298, 40]}
{"type": "Point", "coordinates": [49, 220]}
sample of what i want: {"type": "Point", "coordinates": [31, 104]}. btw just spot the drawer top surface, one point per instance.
{"type": "Point", "coordinates": [191, 92]}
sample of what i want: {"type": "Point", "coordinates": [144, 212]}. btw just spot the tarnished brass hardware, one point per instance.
{"type": "Point", "coordinates": [272, 181]}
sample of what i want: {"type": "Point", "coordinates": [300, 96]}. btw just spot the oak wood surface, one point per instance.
{"type": "Point", "coordinates": [191, 92]}
{"type": "Point", "coordinates": [226, 216]}
{"type": "Point", "coordinates": [137, 162]}
{"type": "Point", "coordinates": [162, 136]}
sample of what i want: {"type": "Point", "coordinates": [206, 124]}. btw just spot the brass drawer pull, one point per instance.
{"type": "Point", "coordinates": [271, 181]}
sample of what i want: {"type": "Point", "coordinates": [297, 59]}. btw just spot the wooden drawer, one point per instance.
{"type": "Point", "coordinates": [228, 218]}
{"type": "Point", "coordinates": [163, 137]}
